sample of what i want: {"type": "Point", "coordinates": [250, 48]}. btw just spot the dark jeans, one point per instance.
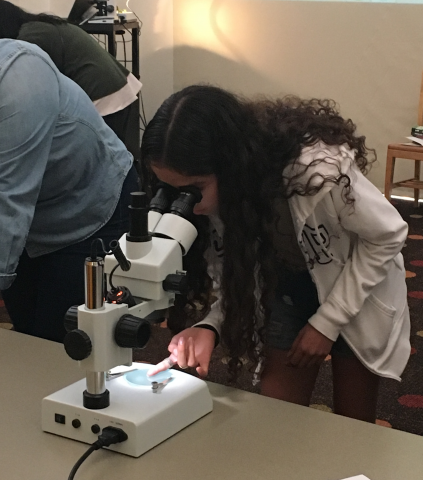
{"type": "Point", "coordinates": [46, 286]}
{"type": "Point", "coordinates": [295, 302]}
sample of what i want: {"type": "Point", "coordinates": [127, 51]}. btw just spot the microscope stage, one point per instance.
{"type": "Point", "coordinates": [148, 416]}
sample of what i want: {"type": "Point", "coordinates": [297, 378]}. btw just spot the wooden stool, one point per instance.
{"type": "Point", "coordinates": [406, 152]}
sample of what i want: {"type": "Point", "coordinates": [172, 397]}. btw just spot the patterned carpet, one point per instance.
{"type": "Point", "coordinates": [400, 404]}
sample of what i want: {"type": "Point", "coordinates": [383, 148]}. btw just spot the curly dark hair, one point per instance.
{"type": "Point", "coordinates": [203, 130]}
{"type": "Point", "coordinates": [13, 17]}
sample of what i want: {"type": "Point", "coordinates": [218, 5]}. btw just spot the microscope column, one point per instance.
{"type": "Point", "coordinates": [96, 396]}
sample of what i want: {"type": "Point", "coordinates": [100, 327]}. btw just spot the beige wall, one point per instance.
{"type": "Point", "coordinates": [33, 5]}
{"type": "Point", "coordinates": [368, 57]}
{"type": "Point", "coordinates": [156, 51]}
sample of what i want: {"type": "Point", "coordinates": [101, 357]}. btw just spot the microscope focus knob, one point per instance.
{"type": "Point", "coordinates": [71, 318]}
{"type": "Point", "coordinates": [176, 283]}
{"type": "Point", "coordinates": [77, 344]}
{"type": "Point", "coordinates": [132, 332]}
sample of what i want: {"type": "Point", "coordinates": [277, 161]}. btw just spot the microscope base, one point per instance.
{"type": "Point", "coordinates": [147, 418]}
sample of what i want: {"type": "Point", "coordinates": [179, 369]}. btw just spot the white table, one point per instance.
{"type": "Point", "coordinates": [247, 436]}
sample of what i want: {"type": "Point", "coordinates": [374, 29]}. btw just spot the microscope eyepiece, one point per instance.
{"type": "Point", "coordinates": [138, 214]}
{"type": "Point", "coordinates": [138, 200]}
{"type": "Point", "coordinates": [165, 194]}
{"type": "Point", "coordinates": [159, 203]}
{"type": "Point", "coordinates": [184, 204]}
{"type": "Point", "coordinates": [177, 221]}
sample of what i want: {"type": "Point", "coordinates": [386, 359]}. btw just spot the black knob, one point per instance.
{"type": "Point", "coordinates": [77, 344]}
{"type": "Point", "coordinates": [132, 332]}
{"type": "Point", "coordinates": [71, 318]}
{"type": "Point", "coordinates": [95, 428]}
{"type": "Point", "coordinates": [176, 283]}
{"type": "Point", "coordinates": [76, 423]}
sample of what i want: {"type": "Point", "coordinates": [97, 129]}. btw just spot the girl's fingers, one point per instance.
{"type": "Point", "coordinates": [162, 366]}
{"type": "Point", "coordinates": [182, 356]}
{"type": "Point", "coordinates": [192, 361]}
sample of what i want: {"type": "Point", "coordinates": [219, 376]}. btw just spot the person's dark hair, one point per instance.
{"type": "Point", "coordinates": [205, 130]}
{"type": "Point", "coordinates": [13, 17]}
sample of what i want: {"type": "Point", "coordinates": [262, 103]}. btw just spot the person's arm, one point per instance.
{"type": "Point", "coordinates": [214, 256]}
{"type": "Point", "coordinates": [381, 233]}
{"type": "Point", "coordinates": [29, 99]}
{"type": "Point", "coordinates": [213, 320]}
{"type": "Point", "coordinates": [193, 346]}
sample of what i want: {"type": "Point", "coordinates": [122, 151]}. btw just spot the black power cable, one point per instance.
{"type": "Point", "coordinates": [109, 436]}
{"type": "Point", "coordinates": [142, 113]}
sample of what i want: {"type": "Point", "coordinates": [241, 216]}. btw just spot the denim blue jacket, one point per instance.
{"type": "Point", "coordinates": [61, 167]}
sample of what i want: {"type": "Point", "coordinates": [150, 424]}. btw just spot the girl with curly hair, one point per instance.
{"type": "Point", "coordinates": [302, 250]}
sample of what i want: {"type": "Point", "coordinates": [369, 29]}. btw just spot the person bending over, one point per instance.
{"type": "Point", "coordinates": [65, 179]}
{"type": "Point", "coordinates": [111, 87]}
{"type": "Point", "coordinates": [304, 251]}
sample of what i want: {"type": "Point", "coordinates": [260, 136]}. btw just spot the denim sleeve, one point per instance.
{"type": "Point", "coordinates": [29, 106]}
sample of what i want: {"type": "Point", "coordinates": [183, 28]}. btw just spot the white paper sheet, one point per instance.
{"type": "Point", "coordinates": [420, 142]}
{"type": "Point", "coordinates": [357, 477]}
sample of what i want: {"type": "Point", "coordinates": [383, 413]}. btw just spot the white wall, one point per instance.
{"type": "Point", "coordinates": [366, 56]}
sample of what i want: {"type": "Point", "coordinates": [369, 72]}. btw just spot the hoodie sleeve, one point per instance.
{"type": "Point", "coordinates": [214, 318]}
{"type": "Point", "coordinates": [214, 257]}
{"type": "Point", "coordinates": [380, 235]}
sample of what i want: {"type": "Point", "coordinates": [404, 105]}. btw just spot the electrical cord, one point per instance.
{"type": "Point", "coordinates": [94, 249]}
{"type": "Point", "coordinates": [112, 287]}
{"type": "Point", "coordinates": [125, 61]}
{"type": "Point", "coordinates": [103, 42]}
{"type": "Point", "coordinates": [123, 42]}
{"type": "Point", "coordinates": [109, 436]}
{"type": "Point", "coordinates": [142, 115]}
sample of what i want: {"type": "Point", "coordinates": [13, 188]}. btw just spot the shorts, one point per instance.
{"type": "Point", "coordinates": [291, 313]}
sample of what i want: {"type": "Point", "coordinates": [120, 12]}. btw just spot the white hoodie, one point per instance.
{"type": "Point", "coordinates": [356, 262]}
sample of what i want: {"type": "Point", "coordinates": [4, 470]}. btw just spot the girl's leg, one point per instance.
{"type": "Point", "coordinates": [355, 389]}
{"type": "Point", "coordinates": [278, 380]}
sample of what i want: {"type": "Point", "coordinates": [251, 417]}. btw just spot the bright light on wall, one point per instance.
{"type": "Point", "coordinates": [206, 24]}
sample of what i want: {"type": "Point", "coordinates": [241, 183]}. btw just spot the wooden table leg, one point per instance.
{"type": "Point", "coordinates": [416, 177]}
{"type": "Point", "coordinates": [389, 175]}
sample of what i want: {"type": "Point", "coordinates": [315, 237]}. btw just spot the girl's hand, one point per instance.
{"type": "Point", "coordinates": [309, 348]}
{"type": "Point", "coordinates": [190, 348]}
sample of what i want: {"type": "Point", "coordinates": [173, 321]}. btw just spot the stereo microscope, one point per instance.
{"type": "Point", "coordinates": [146, 267]}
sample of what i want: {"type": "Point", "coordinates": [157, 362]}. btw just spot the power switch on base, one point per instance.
{"type": "Point", "coordinates": [59, 418]}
